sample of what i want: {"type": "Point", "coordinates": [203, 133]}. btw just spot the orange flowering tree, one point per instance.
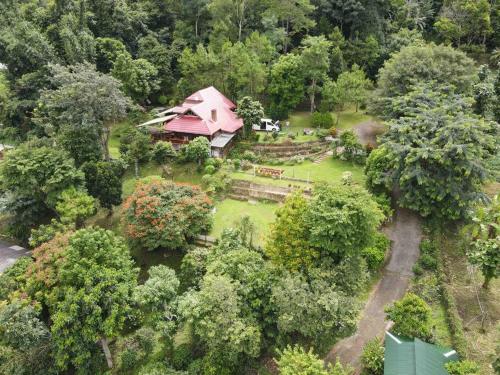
{"type": "Point", "coordinates": [160, 213]}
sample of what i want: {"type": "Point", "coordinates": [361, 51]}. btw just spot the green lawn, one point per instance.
{"type": "Point", "coordinates": [329, 170]}
{"type": "Point", "coordinates": [300, 120]}
{"type": "Point", "coordinates": [229, 212]}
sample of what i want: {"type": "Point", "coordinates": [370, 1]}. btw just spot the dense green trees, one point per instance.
{"type": "Point", "coordinates": [33, 178]}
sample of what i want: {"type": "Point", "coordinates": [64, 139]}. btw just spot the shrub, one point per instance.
{"type": "Point", "coordinates": [246, 165]}
{"type": "Point", "coordinates": [372, 358]}
{"type": "Point", "coordinates": [322, 133]}
{"type": "Point", "coordinates": [181, 357]}
{"type": "Point", "coordinates": [411, 316]}
{"type": "Point", "coordinates": [464, 367]}
{"type": "Point", "coordinates": [275, 135]}
{"type": "Point", "coordinates": [236, 164]}
{"type": "Point", "coordinates": [163, 152]}
{"type": "Point", "coordinates": [428, 262]}
{"type": "Point", "coordinates": [249, 155]}
{"type": "Point", "coordinates": [209, 169]}
{"type": "Point", "coordinates": [417, 270]}
{"type": "Point", "coordinates": [375, 254]}
{"type": "Point", "coordinates": [162, 99]}
{"type": "Point", "coordinates": [333, 131]}
{"type": "Point", "coordinates": [322, 120]}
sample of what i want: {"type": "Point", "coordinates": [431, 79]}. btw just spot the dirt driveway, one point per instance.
{"type": "Point", "coordinates": [368, 131]}
{"type": "Point", "coordinates": [405, 232]}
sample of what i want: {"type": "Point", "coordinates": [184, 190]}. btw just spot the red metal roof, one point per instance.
{"type": "Point", "coordinates": [201, 104]}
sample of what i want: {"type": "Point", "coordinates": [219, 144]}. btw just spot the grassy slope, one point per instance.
{"type": "Point", "coordinates": [230, 211]}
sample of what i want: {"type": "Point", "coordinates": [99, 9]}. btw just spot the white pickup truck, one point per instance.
{"type": "Point", "coordinates": [267, 125]}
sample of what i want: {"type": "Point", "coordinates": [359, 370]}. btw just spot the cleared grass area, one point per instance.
{"type": "Point", "coordinates": [229, 212]}
{"type": "Point", "coordinates": [301, 120]}
{"type": "Point", "coordinates": [329, 170]}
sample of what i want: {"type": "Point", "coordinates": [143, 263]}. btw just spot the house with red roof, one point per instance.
{"type": "Point", "coordinates": [205, 113]}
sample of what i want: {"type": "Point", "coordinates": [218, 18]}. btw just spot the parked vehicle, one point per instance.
{"type": "Point", "coordinates": [267, 125]}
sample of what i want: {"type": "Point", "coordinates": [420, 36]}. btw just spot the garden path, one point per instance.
{"type": "Point", "coordinates": [405, 233]}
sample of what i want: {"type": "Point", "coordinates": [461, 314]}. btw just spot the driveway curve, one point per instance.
{"type": "Point", "coordinates": [405, 233]}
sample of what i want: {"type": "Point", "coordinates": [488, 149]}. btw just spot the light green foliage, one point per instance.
{"type": "Point", "coordinates": [139, 77]}
{"type": "Point", "coordinates": [85, 308]}
{"type": "Point", "coordinates": [411, 317]}
{"type": "Point", "coordinates": [216, 316]}
{"type": "Point", "coordinates": [351, 87]}
{"type": "Point", "coordinates": [353, 149]}
{"type": "Point", "coordinates": [327, 309]}
{"type": "Point", "coordinates": [315, 62]}
{"type": "Point", "coordinates": [424, 63]}
{"type": "Point", "coordinates": [342, 220]}
{"type": "Point", "coordinates": [322, 120]}
{"type": "Point", "coordinates": [135, 146]}
{"type": "Point", "coordinates": [286, 87]}
{"type": "Point", "coordinates": [375, 253]}
{"type": "Point", "coordinates": [464, 21]}
{"type": "Point", "coordinates": [163, 152]}
{"type": "Point", "coordinates": [251, 111]}
{"type": "Point", "coordinates": [74, 206]}
{"type": "Point", "coordinates": [464, 367]}
{"type": "Point", "coordinates": [45, 232]}
{"type": "Point", "coordinates": [483, 236]}
{"type": "Point", "coordinates": [198, 150]}
{"type": "Point", "coordinates": [296, 361]}
{"type": "Point", "coordinates": [194, 266]}
{"type": "Point", "coordinates": [107, 51]}
{"type": "Point", "coordinates": [372, 358]}
{"type": "Point", "coordinates": [288, 244]}
{"type": "Point", "coordinates": [14, 277]}
{"type": "Point", "coordinates": [261, 46]}
{"type": "Point", "coordinates": [377, 170]}
{"type": "Point", "coordinates": [159, 290]}
{"type": "Point", "coordinates": [76, 42]}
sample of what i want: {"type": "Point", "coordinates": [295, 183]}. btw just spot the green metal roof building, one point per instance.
{"type": "Point", "coordinates": [415, 357]}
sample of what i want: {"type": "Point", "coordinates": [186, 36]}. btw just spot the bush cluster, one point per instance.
{"type": "Point", "coordinates": [375, 254]}
{"type": "Point", "coordinates": [322, 120]}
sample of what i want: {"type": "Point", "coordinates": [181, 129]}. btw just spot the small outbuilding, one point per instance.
{"type": "Point", "coordinates": [415, 357]}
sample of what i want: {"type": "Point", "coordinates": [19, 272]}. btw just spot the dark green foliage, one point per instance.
{"type": "Point", "coordinates": [82, 144]}
{"type": "Point", "coordinates": [181, 357]}
{"type": "Point", "coordinates": [103, 182]}
{"type": "Point", "coordinates": [322, 120]}
{"type": "Point", "coordinates": [251, 112]}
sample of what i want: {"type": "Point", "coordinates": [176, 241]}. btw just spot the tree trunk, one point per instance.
{"type": "Point", "coordinates": [105, 143]}
{"type": "Point", "coordinates": [312, 95]}
{"type": "Point", "coordinates": [107, 352]}
{"type": "Point", "coordinates": [196, 27]}
{"type": "Point", "coordinates": [136, 168]}
{"type": "Point", "coordinates": [357, 107]}
{"type": "Point", "coordinates": [486, 284]}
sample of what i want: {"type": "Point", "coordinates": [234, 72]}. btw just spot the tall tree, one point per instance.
{"type": "Point", "coordinates": [83, 98]}
{"type": "Point", "coordinates": [316, 63]}
{"type": "Point", "coordinates": [92, 299]}
{"type": "Point", "coordinates": [286, 87]}
{"type": "Point", "coordinates": [439, 157]}
{"type": "Point", "coordinates": [251, 112]}
{"type": "Point", "coordinates": [293, 17]}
